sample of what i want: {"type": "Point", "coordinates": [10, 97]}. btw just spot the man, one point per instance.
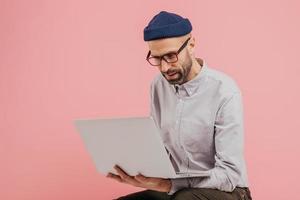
{"type": "Point", "coordinates": [200, 116]}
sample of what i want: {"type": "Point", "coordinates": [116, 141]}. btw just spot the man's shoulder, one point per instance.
{"type": "Point", "coordinates": [158, 80]}
{"type": "Point", "coordinates": [224, 81]}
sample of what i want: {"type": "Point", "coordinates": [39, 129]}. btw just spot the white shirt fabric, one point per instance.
{"type": "Point", "coordinates": [201, 124]}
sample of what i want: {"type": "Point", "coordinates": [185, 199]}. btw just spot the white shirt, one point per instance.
{"type": "Point", "coordinates": [202, 128]}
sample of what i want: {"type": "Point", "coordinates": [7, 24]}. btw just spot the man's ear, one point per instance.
{"type": "Point", "coordinates": [191, 46]}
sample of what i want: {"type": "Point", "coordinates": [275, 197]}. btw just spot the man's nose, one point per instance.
{"type": "Point", "coordinates": [164, 66]}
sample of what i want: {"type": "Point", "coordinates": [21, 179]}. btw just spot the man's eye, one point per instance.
{"type": "Point", "coordinates": [170, 56]}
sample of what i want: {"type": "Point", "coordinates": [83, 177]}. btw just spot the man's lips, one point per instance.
{"type": "Point", "coordinates": [171, 75]}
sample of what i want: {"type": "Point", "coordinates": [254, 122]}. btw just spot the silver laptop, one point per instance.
{"type": "Point", "coordinates": [132, 143]}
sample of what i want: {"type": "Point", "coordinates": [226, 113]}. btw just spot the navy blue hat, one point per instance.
{"type": "Point", "coordinates": [165, 25]}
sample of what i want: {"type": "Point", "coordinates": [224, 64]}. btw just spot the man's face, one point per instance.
{"type": "Point", "coordinates": [178, 72]}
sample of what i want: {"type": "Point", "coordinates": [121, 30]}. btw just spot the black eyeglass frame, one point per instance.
{"type": "Point", "coordinates": [163, 56]}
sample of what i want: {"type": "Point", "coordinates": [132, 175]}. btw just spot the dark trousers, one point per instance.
{"type": "Point", "coordinates": [191, 194]}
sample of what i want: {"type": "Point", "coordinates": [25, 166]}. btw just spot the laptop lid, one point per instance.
{"type": "Point", "coordinates": [132, 143]}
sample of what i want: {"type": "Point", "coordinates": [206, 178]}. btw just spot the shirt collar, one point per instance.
{"type": "Point", "coordinates": [191, 86]}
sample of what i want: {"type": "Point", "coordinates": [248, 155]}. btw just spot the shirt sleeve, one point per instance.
{"type": "Point", "coordinates": [151, 112]}
{"type": "Point", "coordinates": [154, 103]}
{"type": "Point", "coordinates": [229, 150]}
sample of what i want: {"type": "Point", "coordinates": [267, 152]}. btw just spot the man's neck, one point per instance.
{"type": "Point", "coordinates": [196, 67]}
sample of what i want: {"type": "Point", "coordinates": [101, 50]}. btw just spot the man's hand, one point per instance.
{"type": "Point", "coordinates": [157, 184]}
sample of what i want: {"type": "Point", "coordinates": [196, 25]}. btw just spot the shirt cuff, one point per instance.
{"type": "Point", "coordinates": [177, 184]}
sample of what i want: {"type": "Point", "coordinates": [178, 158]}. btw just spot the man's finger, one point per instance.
{"type": "Point", "coordinates": [125, 177]}
{"type": "Point", "coordinates": [121, 172]}
{"type": "Point", "coordinates": [141, 178]}
{"type": "Point", "coordinates": [119, 169]}
{"type": "Point", "coordinates": [115, 177]}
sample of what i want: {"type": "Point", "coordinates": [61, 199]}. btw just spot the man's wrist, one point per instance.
{"type": "Point", "coordinates": [166, 185]}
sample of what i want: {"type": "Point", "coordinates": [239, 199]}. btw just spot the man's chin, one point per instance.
{"type": "Point", "coordinates": [173, 82]}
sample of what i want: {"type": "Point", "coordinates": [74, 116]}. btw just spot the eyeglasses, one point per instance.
{"type": "Point", "coordinates": [169, 57]}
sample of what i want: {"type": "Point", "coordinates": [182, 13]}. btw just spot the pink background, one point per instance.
{"type": "Point", "coordinates": [64, 59]}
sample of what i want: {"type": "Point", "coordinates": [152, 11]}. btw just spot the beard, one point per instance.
{"type": "Point", "coordinates": [180, 73]}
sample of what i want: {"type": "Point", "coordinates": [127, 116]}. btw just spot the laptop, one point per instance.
{"type": "Point", "coordinates": [134, 144]}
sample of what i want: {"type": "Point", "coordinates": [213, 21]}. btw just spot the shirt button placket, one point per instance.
{"type": "Point", "coordinates": [178, 118]}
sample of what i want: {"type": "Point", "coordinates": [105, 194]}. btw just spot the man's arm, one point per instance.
{"type": "Point", "coordinates": [229, 150]}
